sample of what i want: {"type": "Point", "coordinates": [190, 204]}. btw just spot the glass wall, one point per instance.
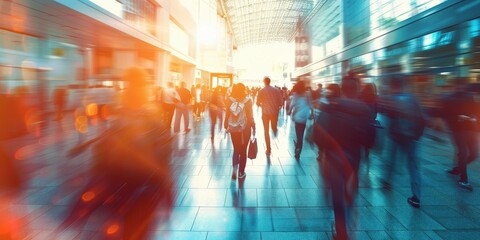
{"type": "Point", "coordinates": [387, 13]}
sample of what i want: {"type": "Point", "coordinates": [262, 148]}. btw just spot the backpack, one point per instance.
{"type": "Point", "coordinates": [237, 121]}
{"type": "Point", "coordinates": [408, 123]}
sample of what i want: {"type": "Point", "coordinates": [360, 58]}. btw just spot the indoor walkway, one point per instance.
{"type": "Point", "coordinates": [280, 198]}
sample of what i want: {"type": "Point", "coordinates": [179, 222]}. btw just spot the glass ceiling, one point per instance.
{"type": "Point", "coordinates": [260, 21]}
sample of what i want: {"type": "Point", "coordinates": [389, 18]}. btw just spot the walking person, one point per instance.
{"type": "Point", "coordinates": [406, 124]}
{"type": "Point", "coordinates": [182, 108]}
{"type": "Point", "coordinates": [459, 111]}
{"type": "Point", "coordinates": [300, 109]}
{"type": "Point", "coordinates": [216, 109]}
{"type": "Point", "coordinates": [270, 100]}
{"type": "Point", "coordinates": [197, 102]}
{"type": "Point", "coordinates": [169, 99]}
{"type": "Point", "coordinates": [240, 124]}
{"type": "Point", "coordinates": [339, 133]}
{"type": "Point", "coordinates": [369, 96]}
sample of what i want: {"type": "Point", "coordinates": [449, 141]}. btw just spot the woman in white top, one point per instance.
{"type": "Point", "coordinates": [300, 110]}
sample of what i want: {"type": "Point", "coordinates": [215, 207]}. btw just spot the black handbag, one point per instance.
{"type": "Point", "coordinates": [252, 149]}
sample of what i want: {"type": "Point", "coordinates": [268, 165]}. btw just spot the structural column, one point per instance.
{"type": "Point", "coordinates": [162, 67]}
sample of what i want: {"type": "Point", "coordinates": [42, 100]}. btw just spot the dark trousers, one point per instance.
{"type": "Point", "coordinates": [300, 132]}
{"type": "Point", "coordinates": [214, 114]}
{"type": "Point", "coordinates": [406, 149]}
{"type": "Point", "coordinates": [466, 143]}
{"type": "Point", "coordinates": [169, 110]}
{"type": "Point", "coordinates": [336, 179]}
{"type": "Point", "coordinates": [268, 119]}
{"type": "Point", "coordinates": [240, 142]}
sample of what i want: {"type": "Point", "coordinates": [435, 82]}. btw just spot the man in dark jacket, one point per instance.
{"type": "Point", "coordinates": [340, 130]}
{"type": "Point", "coordinates": [460, 115]}
{"type": "Point", "coordinates": [270, 100]}
{"type": "Point", "coordinates": [406, 123]}
{"type": "Point", "coordinates": [182, 108]}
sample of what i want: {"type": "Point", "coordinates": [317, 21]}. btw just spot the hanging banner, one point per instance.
{"type": "Point", "coordinates": [302, 51]}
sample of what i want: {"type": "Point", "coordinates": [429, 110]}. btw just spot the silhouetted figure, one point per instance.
{"type": "Point", "coordinates": [460, 113]}
{"type": "Point", "coordinates": [339, 131]}
{"type": "Point", "coordinates": [170, 98]}
{"type": "Point", "coordinates": [369, 96]}
{"type": "Point", "coordinates": [130, 176]}
{"type": "Point", "coordinates": [240, 124]}
{"type": "Point", "coordinates": [300, 110]}
{"type": "Point", "coordinates": [270, 100]}
{"type": "Point", "coordinates": [406, 124]}
{"type": "Point", "coordinates": [216, 109]}
{"type": "Point", "coordinates": [182, 108]}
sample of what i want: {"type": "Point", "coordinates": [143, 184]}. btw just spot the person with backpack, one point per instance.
{"type": "Point", "coordinates": [240, 124]}
{"type": "Point", "coordinates": [406, 124]}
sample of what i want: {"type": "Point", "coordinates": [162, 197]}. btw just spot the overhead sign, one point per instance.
{"type": "Point", "coordinates": [302, 51]}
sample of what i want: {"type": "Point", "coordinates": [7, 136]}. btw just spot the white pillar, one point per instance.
{"type": "Point", "coordinates": [162, 68]}
{"type": "Point", "coordinates": [122, 60]}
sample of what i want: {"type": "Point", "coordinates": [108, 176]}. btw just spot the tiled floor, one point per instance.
{"type": "Point", "coordinates": [280, 198]}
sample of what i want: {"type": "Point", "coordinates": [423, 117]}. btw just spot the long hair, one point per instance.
{"type": "Point", "coordinates": [299, 88]}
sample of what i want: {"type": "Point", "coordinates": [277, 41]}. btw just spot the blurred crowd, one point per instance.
{"type": "Point", "coordinates": [131, 172]}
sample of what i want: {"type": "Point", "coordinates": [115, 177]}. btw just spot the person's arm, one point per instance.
{"type": "Point", "coordinates": [280, 99]}
{"type": "Point", "coordinates": [293, 101]}
{"type": "Point", "coordinates": [250, 116]}
{"type": "Point", "coordinates": [227, 116]}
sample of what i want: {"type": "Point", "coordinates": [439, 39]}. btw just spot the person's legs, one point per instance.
{"type": "Point", "coordinates": [462, 147]}
{"type": "Point", "coordinates": [220, 118]}
{"type": "Point", "coordinates": [472, 144]}
{"type": "Point", "coordinates": [243, 152]}
{"type": "Point", "coordinates": [274, 119]}
{"type": "Point", "coordinates": [338, 200]}
{"type": "Point", "coordinates": [392, 149]}
{"type": "Point", "coordinates": [300, 131]}
{"type": "Point", "coordinates": [169, 111]}
{"type": "Point", "coordinates": [457, 139]}
{"type": "Point", "coordinates": [237, 145]}
{"type": "Point", "coordinates": [410, 149]}
{"type": "Point", "coordinates": [213, 122]}
{"type": "Point", "coordinates": [178, 116]}
{"type": "Point", "coordinates": [266, 131]}
{"type": "Point", "coordinates": [186, 118]}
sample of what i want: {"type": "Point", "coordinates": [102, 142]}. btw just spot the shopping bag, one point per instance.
{"type": "Point", "coordinates": [252, 149]}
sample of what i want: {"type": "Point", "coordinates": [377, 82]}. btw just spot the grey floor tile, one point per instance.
{"type": "Point", "coordinates": [294, 235]}
{"type": "Point", "coordinates": [458, 223]}
{"type": "Point", "coordinates": [179, 235]}
{"type": "Point", "coordinates": [272, 198]}
{"type": "Point", "coordinates": [256, 220]}
{"type": "Point", "coordinates": [305, 197]}
{"type": "Point", "coordinates": [233, 235]}
{"type": "Point", "coordinates": [281, 212]}
{"type": "Point", "coordinates": [399, 235]}
{"type": "Point", "coordinates": [218, 219]}
{"type": "Point", "coordinates": [204, 197]}
{"type": "Point", "coordinates": [414, 219]}
{"type": "Point", "coordinates": [241, 198]}
{"type": "Point", "coordinates": [181, 219]}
